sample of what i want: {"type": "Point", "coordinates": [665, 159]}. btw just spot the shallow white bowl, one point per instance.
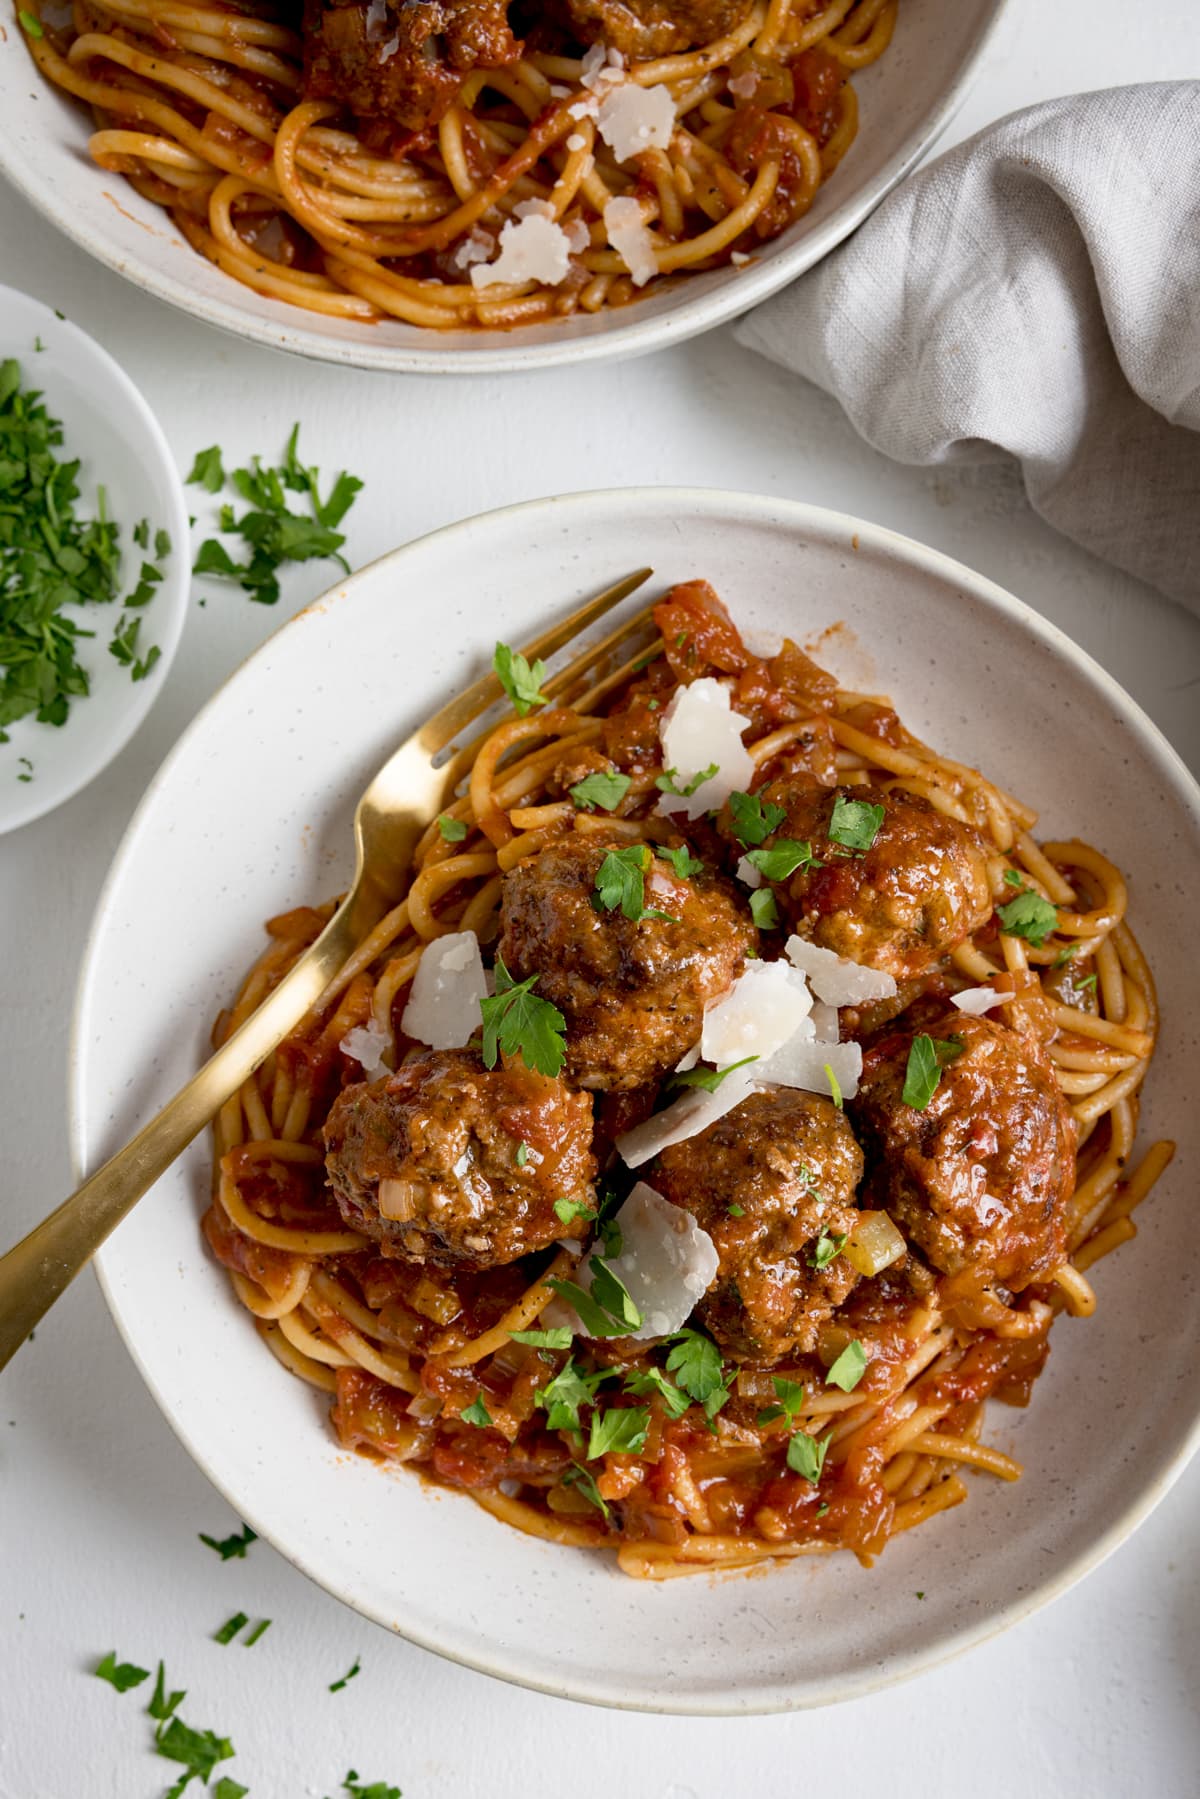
{"type": "Point", "coordinates": [109, 427]}
{"type": "Point", "coordinates": [907, 99]}
{"type": "Point", "coordinates": [251, 814]}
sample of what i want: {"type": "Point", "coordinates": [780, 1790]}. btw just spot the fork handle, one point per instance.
{"type": "Point", "coordinates": [38, 1269]}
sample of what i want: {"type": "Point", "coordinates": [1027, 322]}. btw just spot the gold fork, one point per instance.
{"type": "Point", "coordinates": [400, 803]}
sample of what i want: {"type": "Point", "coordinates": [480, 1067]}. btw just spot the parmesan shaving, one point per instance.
{"type": "Point", "coordinates": [690, 1115]}
{"type": "Point", "coordinates": [801, 1063]}
{"type": "Point", "coordinates": [835, 978]}
{"type": "Point", "coordinates": [632, 119]}
{"type": "Point", "coordinates": [532, 248]}
{"type": "Point", "coordinates": [764, 1009]}
{"type": "Point", "coordinates": [977, 1000]}
{"type": "Point", "coordinates": [744, 86]}
{"type": "Point", "coordinates": [700, 728]}
{"type": "Point", "coordinates": [667, 1262]}
{"type": "Point", "coordinates": [443, 1006]}
{"type": "Point", "coordinates": [738, 258]}
{"type": "Point", "coordinates": [747, 873]}
{"type": "Point", "coordinates": [629, 237]}
{"type": "Point", "coordinates": [366, 1044]}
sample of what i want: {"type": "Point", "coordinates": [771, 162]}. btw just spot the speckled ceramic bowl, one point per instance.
{"type": "Point", "coordinates": [251, 814]}
{"type": "Point", "coordinates": [907, 99]}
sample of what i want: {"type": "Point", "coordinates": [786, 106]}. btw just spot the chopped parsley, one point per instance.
{"type": "Point", "coordinates": [30, 24]}
{"type": "Point", "coordinates": [517, 1022]}
{"type": "Point", "coordinates": [162, 1703]}
{"type": "Point", "coordinates": [453, 830]}
{"type": "Point", "coordinates": [621, 1430]}
{"type": "Point", "coordinates": [198, 1750]}
{"type": "Point", "coordinates": [557, 1338]}
{"type": "Point", "coordinates": [736, 1211]}
{"type": "Point", "coordinates": [849, 1368]}
{"type": "Point", "coordinates": [783, 858]}
{"type": "Point", "coordinates": [522, 1155]}
{"type": "Point", "coordinates": [260, 1630]}
{"type": "Point", "coordinates": [708, 1078]}
{"type": "Point", "coordinates": [668, 781]}
{"type": "Point", "coordinates": [695, 1361]}
{"type": "Point", "coordinates": [568, 1210]}
{"type": "Point", "coordinates": [1029, 916]}
{"type": "Point", "coordinates": [835, 1090]}
{"type": "Point", "coordinates": [682, 861]}
{"type": "Point", "coordinates": [610, 1292]}
{"type": "Point", "coordinates": [521, 683]}
{"type": "Point", "coordinates": [562, 1397]}
{"type": "Point", "coordinates": [230, 1628]}
{"type": "Point", "coordinates": [476, 1413]}
{"type": "Point", "coordinates": [806, 1455]}
{"type": "Point", "coordinates": [790, 1395]}
{"type": "Point", "coordinates": [576, 1476]}
{"type": "Point", "coordinates": [651, 1382]}
{"type": "Point", "coordinates": [854, 823]}
{"type": "Point", "coordinates": [1013, 879]}
{"type": "Point", "coordinates": [829, 1246]}
{"type": "Point", "coordinates": [1086, 984]}
{"type": "Point", "coordinates": [121, 1675]}
{"type": "Point", "coordinates": [272, 532]}
{"type": "Point", "coordinates": [621, 884]}
{"type": "Point", "coordinates": [763, 909]}
{"type": "Point", "coordinates": [926, 1059]}
{"type": "Point", "coordinates": [236, 1545]}
{"type": "Point", "coordinates": [1066, 954]}
{"type": "Point", "coordinates": [336, 1686]}
{"type": "Point", "coordinates": [601, 791]}
{"type": "Point", "coordinates": [754, 819]}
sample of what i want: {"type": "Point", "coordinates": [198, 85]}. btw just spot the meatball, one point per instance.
{"type": "Point", "coordinates": [981, 1178]}
{"type": "Point", "coordinates": [428, 1161]}
{"type": "Point", "coordinates": [765, 1182]}
{"type": "Point", "coordinates": [633, 994]}
{"type": "Point", "coordinates": [645, 28]}
{"type": "Point", "coordinates": [407, 66]}
{"type": "Point", "coordinates": [900, 905]}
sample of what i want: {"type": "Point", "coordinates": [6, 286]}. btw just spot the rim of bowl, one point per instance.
{"type": "Point", "coordinates": [801, 516]}
{"type": "Point", "coordinates": [504, 352]}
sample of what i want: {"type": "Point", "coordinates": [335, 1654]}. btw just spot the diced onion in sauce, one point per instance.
{"type": "Point", "coordinates": [873, 1244]}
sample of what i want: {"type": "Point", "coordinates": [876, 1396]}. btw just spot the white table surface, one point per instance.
{"type": "Point", "coordinates": [100, 1506]}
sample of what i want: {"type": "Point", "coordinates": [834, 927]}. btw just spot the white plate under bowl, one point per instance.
{"type": "Point", "coordinates": [120, 445]}
{"type": "Point", "coordinates": [250, 814]}
{"type": "Point", "coordinates": [906, 99]}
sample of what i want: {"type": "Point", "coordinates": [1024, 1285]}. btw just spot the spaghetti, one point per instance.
{"type": "Point", "coordinates": [785, 1456]}
{"type": "Point", "coordinates": [246, 132]}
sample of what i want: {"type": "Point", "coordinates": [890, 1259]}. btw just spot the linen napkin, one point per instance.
{"type": "Point", "coordinates": [1035, 291]}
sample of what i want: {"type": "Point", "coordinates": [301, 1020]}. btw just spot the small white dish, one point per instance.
{"type": "Point", "coordinates": [251, 814]}
{"type": "Point", "coordinates": [907, 99]}
{"type": "Point", "coordinates": [109, 427]}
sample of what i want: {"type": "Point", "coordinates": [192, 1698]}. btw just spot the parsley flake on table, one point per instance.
{"type": "Point", "coordinates": [230, 1628]}
{"type": "Point", "coordinates": [476, 1413]}
{"type": "Point", "coordinates": [604, 790]}
{"type": "Point", "coordinates": [336, 1686]}
{"type": "Point", "coordinates": [521, 683]}
{"type": "Point", "coordinates": [708, 1078]}
{"type": "Point", "coordinates": [849, 1367]}
{"type": "Point", "coordinates": [226, 1788]}
{"type": "Point", "coordinates": [516, 1022]}
{"type": "Point", "coordinates": [763, 909]}
{"type": "Point", "coordinates": [829, 1247]}
{"type": "Point", "coordinates": [260, 1630]}
{"type": "Point", "coordinates": [806, 1455]}
{"type": "Point", "coordinates": [453, 830]}
{"type": "Point", "coordinates": [754, 819]}
{"type": "Point", "coordinates": [621, 1430]}
{"type": "Point", "coordinates": [378, 1789]}
{"type": "Point", "coordinates": [668, 781]}
{"type": "Point", "coordinates": [790, 1395]}
{"type": "Point", "coordinates": [926, 1059]}
{"type": "Point", "coordinates": [122, 1675]}
{"type": "Point", "coordinates": [783, 858]}
{"type": "Point", "coordinates": [621, 883]}
{"type": "Point", "coordinates": [198, 1750]}
{"type": "Point", "coordinates": [163, 1704]}
{"type": "Point", "coordinates": [235, 1545]}
{"type": "Point", "coordinates": [854, 823]}
{"type": "Point", "coordinates": [1029, 916]}
{"type": "Point", "coordinates": [208, 470]}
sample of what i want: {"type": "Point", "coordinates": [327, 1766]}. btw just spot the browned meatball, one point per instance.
{"type": "Point", "coordinates": [633, 994]}
{"type": "Point", "coordinates": [981, 1178]}
{"type": "Point", "coordinates": [765, 1182]}
{"type": "Point", "coordinates": [900, 905]}
{"type": "Point", "coordinates": [428, 1160]}
{"type": "Point", "coordinates": [406, 66]}
{"type": "Point", "coordinates": [644, 28]}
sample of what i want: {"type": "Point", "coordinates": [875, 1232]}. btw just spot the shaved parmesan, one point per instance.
{"type": "Point", "coordinates": [475, 248]}
{"type": "Point", "coordinates": [762, 1011]}
{"type": "Point", "coordinates": [977, 1000]}
{"type": "Point", "coordinates": [747, 873]}
{"type": "Point", "coordinates": [738, 258]}
{"type": "Point", "coordinates": [745, 85]}
{"type": "Point", "coordinates": [577, 141]}
{"type": "Point", "coordinates": [836, 979]}
{"type": "Point", "coordinates": [533, 248]}
{"type": "Point", "coordinates": [627, 233]}
{"type": "Point", "coordinates": [801, 1063]}
{"type": "Point", "coordinates": [443, 1006]}
{"type": "Point", "coordinates": [690, 1115]}
{"type": "Point", "coordinates": [632, 119]}
{"type": "Point", "coordinates": [667, 1262]}
{"type": "Point", "coordinates": [824, 1021]}
{"type": "Point", "coordinates": [365, 1044]}
{"type": "Point", "coordinates": [375, 21]}
{"type": "Point", "coordinates": [700, 728]}
{"type": "Point", "coordinates": [578, 236]}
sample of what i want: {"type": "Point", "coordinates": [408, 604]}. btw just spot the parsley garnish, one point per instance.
{"type": "Point", "coordinates": [516, 1022]}
{"type": "Point", "coordinates": [1029, 916]}
{"type": "Point", "coordinates": [621, 882]}
{"type": "Point", "coordinates": [854, 823]}
{"type": "Point", "coordinates": [558, 1338]}
{"type": "Point", "coordinates": [522, 1155]}
{"type": "Point", "coordinates": [806, 1455]}
{"type": "Point", "coordinates": [783, 859]}
{"type": "Point", "coordinates": [273, 533]}
{"type": "Point", "coordinates": [829, 1247]}
{"type": "Point", "coordinates": [337, 1685]}
{"type": "Point", "coordinates": [476, 1413]}
{"type": "Point", "coordinates": [668, 782]}
{"type": "Point", "coordinates": [849, 1368]}
{"type": "Point", "coordinates": [121, 1675]}
{"type": "Point", "coordinates": [926, 1059]}
{"type": "Point", "coordinates": [576, 1476]}
{"type": "Point", "coordinates": [708, 1078]}
{"type": "Point", "coordinates": [520, 682]}
{"type": "Point", "coordinates": [1013, 879]}
{"type": "Point", "coordinates": [791, 1397]}
{"type": "Point", "coordinates": [453, 830]}
{"type": "Point", "coordinates": [1088, 981]}
{"type": "Point", "coordinates": [30, 24]}
{"type": "Point", "coordinates": [682, 861]}
{"type": "Point", "coordinates": [604, 790]}
{"type": "Point", "coordinates": [650, 1381]}
{"type": "Point", "coordinates": [619, 1431]}
{"type": "Point", "coordinates": [608, 1308]}
{"type": "Point", "coordinates": [1065, 955]}
{"type": "Point", "coordinates": [763, 909]}
{"type": "Point", "coordinates": [571, 1388]}
{"type": "Point", "coordinates": [736, 1211]}
{"type": "Point", "coordinates": [236, 1545]}
{"type": "Point", "coordinates": [568, 1210]}
{"type": "Point", "coordinates": [230, 1628]}
{"type": "Point", "coordinates": [695, 1361]}
{"type": "Point", "coordinates": [835, 1090]}
{"type": "Point", "coordinates": [754, 819]}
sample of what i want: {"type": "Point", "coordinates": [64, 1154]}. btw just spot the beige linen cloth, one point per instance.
{"type": "Point", "coordinates": [1036, 291]}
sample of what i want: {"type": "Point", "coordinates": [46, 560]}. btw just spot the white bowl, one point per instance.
{"type": "Point", "coordinates": [250, 814]}
{"type": "Point", "coordinates": [907, 99]}
{"type": "Point", "coordinates": [109, 427]}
